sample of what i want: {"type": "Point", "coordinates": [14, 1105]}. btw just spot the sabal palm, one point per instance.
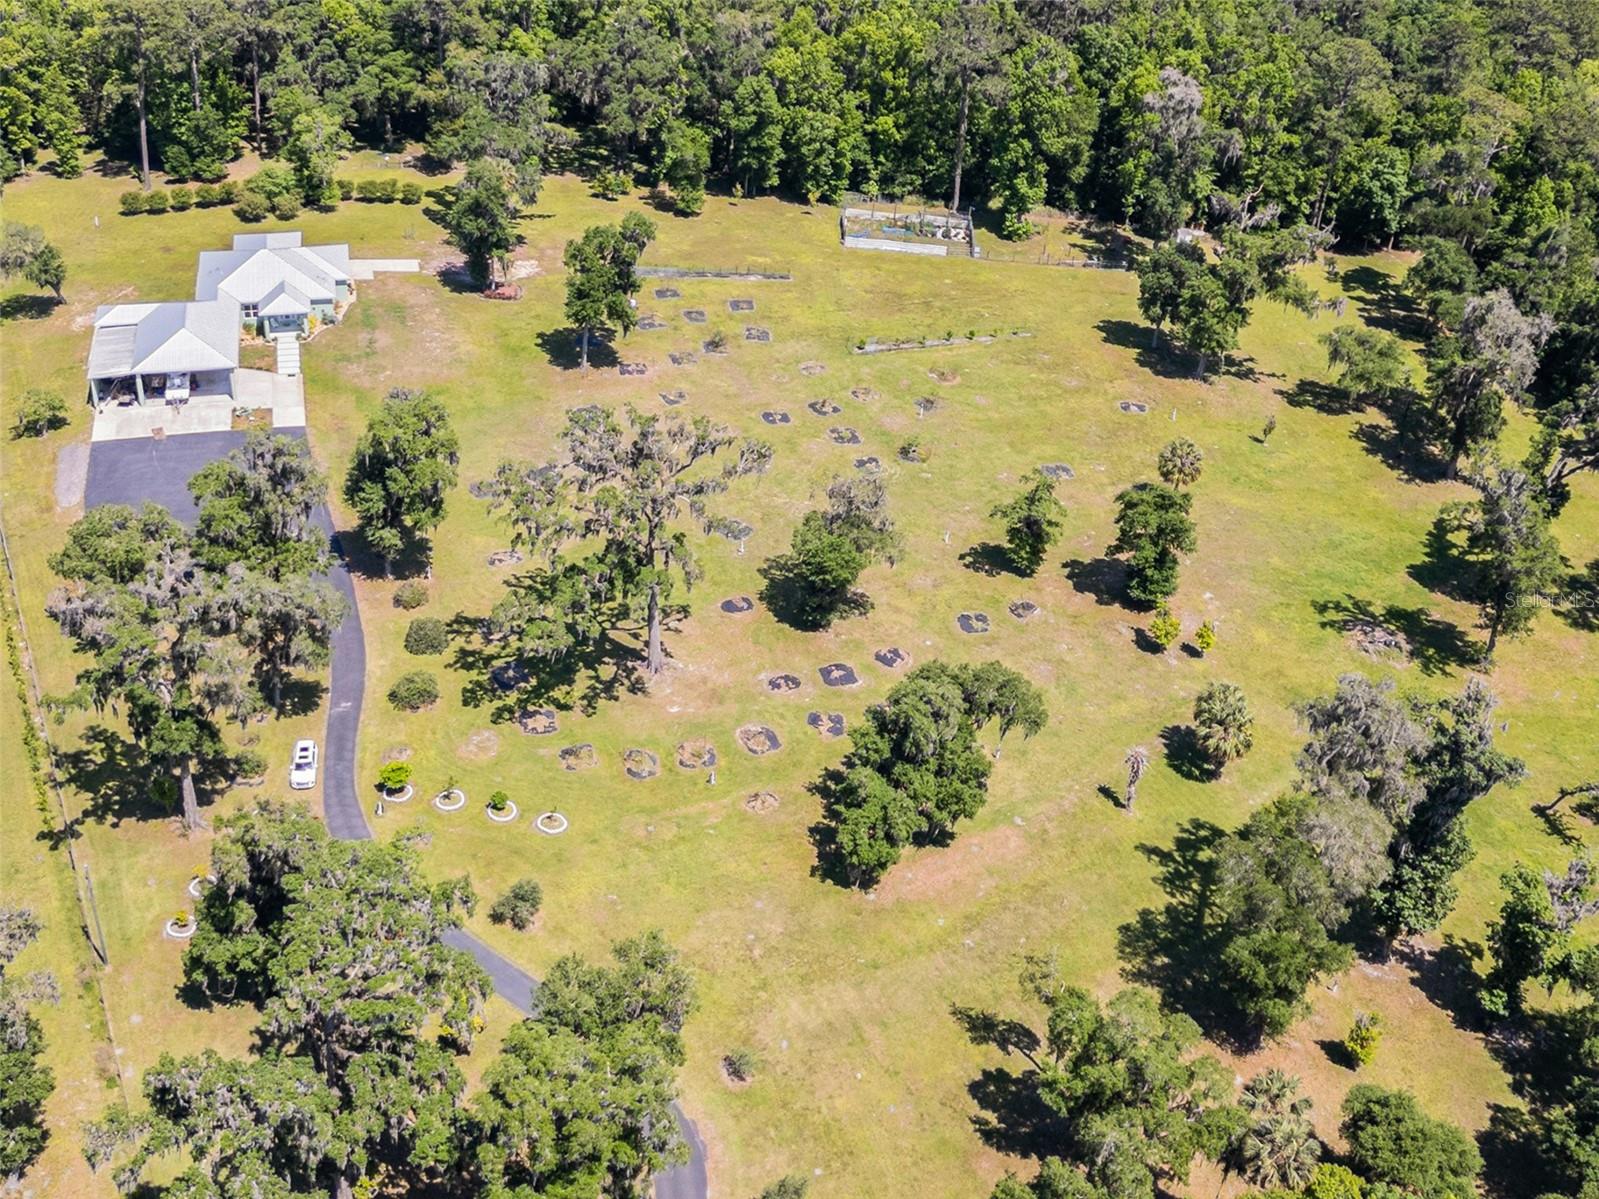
{"type": "Point", "coordinates": [1280, 1151]}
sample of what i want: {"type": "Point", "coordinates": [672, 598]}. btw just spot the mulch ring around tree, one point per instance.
{"type": "Point", "coordinates": [865, 395]}
{"type": "Point", "coordinates": [812, 368]}
{"type": "Point", "coordinates": [1376, 640]}
{"type": "Point", "coordinates": [945, 377]}
{"type": "Point", "coordinates": [824, 407]}
{"type": "Point", "coordinates": [870, 463]}
{"type": "Point", "coordinates": [578, 757]}
{"type": "Point", "coordinates": [1022, 609]}
{"type": "Point", "coordinates": [480, 490]}
{"type": "Point", "coordinates": [972, 622]}
{"type": "Point", "coordinates": [714, 346]}
{"type": "Point", "coordinates": [925, 404]}
{"type": "Point", "coordinates": [694, 316]}
{"type": "Point", "coordinates": [683, 357]}
{"type": "Point", "coordinates": [537, 722]}
{"type": "Point", "coordinates": [650, 323]}
{"type": "Point", "coordinates": [782, 684]}
{"type": "Point", "coordinates": [696, 755]}
{"type": "Point", "coordinates": [828, 724]}
{"type": "Point", "coordinates": [1057, 470]}
{"type": "Point", "coordinates": [631, 369]}
{"type": "Point", "coordinates": [760, 801]}
{"type": "Point", "coordinates": [641, 764]}
{"type": "Point", "coordinates": [735, 530]}
{"type": "Point", "coordinates": [737, 605]}
{"type": "Point", "coordinates": [756, 333]}
{"type": "Point", "coordinates": [508, 676]}
{"type": "Point", "coordinates": [892, 657]}
{"type": "Point", "coordinates": [837, 674]}
{"type": "Point", "coordinates": [668, 293]}
{"type": "Point", "coordinates": [673, 398]}
{"type": "Point", "coordinates": [759, 739]}
{"type": "Point", "coordinates": [741, 305]}
{"type": "Point", "coordinates": [776, 418]}
{"type": "Point", "coordinates": [504, 558]}
{"type": "Point", "coordinates": [843, 435]}
{"type": "Point", "coordinates": [1132, 407]}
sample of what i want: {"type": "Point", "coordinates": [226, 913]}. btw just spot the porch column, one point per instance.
{"type": "Point", "coordinates": [138, 386]}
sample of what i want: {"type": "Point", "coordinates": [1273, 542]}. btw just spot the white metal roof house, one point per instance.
{"type": "Point", "coordinates": [278, 283]}
{"type": "Point", "coordinates": [169, 352]}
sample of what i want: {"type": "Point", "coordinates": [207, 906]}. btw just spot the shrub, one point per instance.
{"type": "Point", "coordinates": [611, 185]}
{"type": "Point", "coordinates": [227, 191]}
{"type": "Point", "coordinates": [346, 188]}
{"type": "Point", "coordinates": [286, 207]}
{"type": "Point", "coordinates": [1205, 637]}
{"type": "Point", "coordinates": [426, 635]}
{"type": "Point", "coordinates": [410, 595]}
{"type": "Point", "coordinates": [248, 764]}
{"type": "Point", "coordinates": [367, 189]}
{"type": "Point", "coordinates": [157, 202]}
{"type": "Point", "coordinates": [273, 181]}
{"type": "Point", "coordinates": [207, 195]}
{"type": "Point", "coordinates": [394, 776]}
{"type": "Point", "coordinates": [131, 203]}
{"type": "Point", "coordinates": [252, 206]}
{"type": "Point", "coordinates": [1361, 1043]}
{"type": "Point", "coordinates": [1334, 1182]}
{"type": "Point", "coordinates": [519, 905]}
{"type": "Point", "coordinates": [384, 191]}
{"type": "Point", "coordinates": [182, 199]}
{"type": "Point", "coordinates": [499, 801]}
{"type": "Point", "coordinates": [38, 411]}
{"type": "Point", "coordinates": [410, 192]}
{"type": "Point", "coordinates": [1164, 627]}
{"type": "Point", "coordinates": [414, 691]}
{"type": "Point", "coordinates": [691, 201]}
{"type": "Point", "coordinates": [740, 1065]}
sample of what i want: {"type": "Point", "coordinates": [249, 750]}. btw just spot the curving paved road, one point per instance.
{"type": "Point", "coordinates": [134, 471]}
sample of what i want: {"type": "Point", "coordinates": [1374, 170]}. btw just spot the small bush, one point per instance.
{"type": "Point", "coordinates": [207, 195]}
{"type": "Point", "coordinates": [252, 206]}
{"type": "Point", "coordinates": [499, 801]}
{"type": "Point", "coordinates": [273, 181]}
{"type": "Point", "coordinates": [394, 776]}
{"type": "Point", "coordinates": [415, 691]}
{"type": "Point", "coordinates": [410, 595]}
{"type": "Point", "coordinates": [611, 185]}
{"type": "Point", "coordinates": [410, 192]}
{"type": "Point", "coordinates": [227, 191]}
{"type": "Point", "coordinates": [426, 635]}
{"type": "Point", "coordinates": [182, 199]}
{"type": "Point", "coordinates": [157, 202]}
{"type": "Point", "coordinates": [38, 411]}
{"type": "Point", "coordinates": [286, 207]}
{"type": "Point", "coordinates": [740, 1065]}
{"type": "Point", "coordinates": [367, 190]}
{"type": "Point", "coordinates": [346, 188]}
{"type": "Point", "coordinates": [1205, 637]}
{"type": "Point", "coordinates": [383, 191]}
{"type": "Point", "coordinates": [519, 905]}
{"type": "Point", "coordinates": [249, 764]}
{"type": "Point", "coordinates": [1362, 1040]}
{"type": "Point", "coordinates": [1334, 1182]}
{"type": "Point", "coordinates": [690, 201]}
{"type": "Point", "coordinates": [1165, 628]}
{"type": "Point", "coordinates": [131, 203]}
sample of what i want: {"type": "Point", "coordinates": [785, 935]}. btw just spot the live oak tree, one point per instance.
{"type": "Point", "coordinates": [1373, 364]}
{"type": "Point", "coordinates": [601, 279]}
{"type": "Point", "coordinates": [403, 467]}
{"type": "Point", "coordinates": [256, 508]}
{"type": "Point", "coordinates": [1152, 526]}
{"type": "Point", "coordinates": [1033, 521]}
{"type": "Point", "coordinates": [482, 220]}
{"type": "Point", "coordinates": [1391, 1140]}
{"type": "Point", "coordinates": [25, 1081]}
{"type": "Point", "coordinates": [830, 548]}
{"type": "Point", "coordinates": [1165, 275]}
{"type": "Point", "coordinates": [1532, 940]}
{"type": "Point", "coordinates": [623, 492]}
{"type": "Point", "coordinates": [25, 253]}
{"type": "Point", "coordinates": [1567, 443]}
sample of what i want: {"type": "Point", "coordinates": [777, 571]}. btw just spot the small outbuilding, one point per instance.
{"type": "Point", "coordinates": [163, 353]}
{"type": "Point", "coordinates": [279, 284]}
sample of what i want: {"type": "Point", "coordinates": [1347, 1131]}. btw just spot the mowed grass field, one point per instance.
{"type": "Point", "coordinates": [865, 1079]}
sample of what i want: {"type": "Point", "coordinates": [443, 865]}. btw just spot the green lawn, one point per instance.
{"type": "Point", "coordinates": [845, 997]}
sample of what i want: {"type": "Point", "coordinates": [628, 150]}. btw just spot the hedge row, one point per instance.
{"type": "Point", "coordinates": [252, 204]}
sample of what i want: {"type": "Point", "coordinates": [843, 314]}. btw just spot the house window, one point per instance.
{"type": "Point", "coordinates": [251, 311]}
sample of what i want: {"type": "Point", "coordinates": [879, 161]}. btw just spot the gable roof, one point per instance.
{"type": "Point", "coordinates": [150, 339]}
{"type": "Point", "coordinates": [261, 263]}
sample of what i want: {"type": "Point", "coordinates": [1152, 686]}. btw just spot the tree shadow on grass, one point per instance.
{"type": "Point", "coordinates": [1184, 755]}
{"type": "Point", "coordinates": [1448, 977]}
{"type": "Point", "coordinates": [1320, 397]}
{"type": "Point", "coordinates": [1442, 570]}
{"type": "Point", "coordinates": [116, 778]}
{"type": "Point", "coordinates": [564, 349]}
{"type": "Point", "coordinates": [26, 308]}
{"type": "Point", "coordinates": [1011, 1117]}
{"type": "Point", "coordinates": [1384, 303]}
{"type": "Point", "coordinates": [591, 674]}
{"type": "Point", "coordinates": [1103, 578]}
{"type": "Point", "coordinates": [301, 697]}
{"type": "Point", "coordinates": [352, 547]}
{"type": "Point", "coordinates": [1578, 604]}
{"type": "Point", "coordinates": [1436, 646]}
{"type": "Point", "coordinates": [1404, 454]}
{"type": "Point", "coordinates": [1163, 360]}
{"type": "Point", "coordinates": [988, 558]}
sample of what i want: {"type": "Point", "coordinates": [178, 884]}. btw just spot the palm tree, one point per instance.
{"type": "Point", "coordinates": [1280, 1149]}
{"type": "Point", "coordinates": [1137, 760]}
{"type": "Point", "coordinates": [1180, 463]}
{"type": "Point", "coordinates": [1226, 727]}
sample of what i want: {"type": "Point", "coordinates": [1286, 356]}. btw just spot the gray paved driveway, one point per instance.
{"type": "Point", "coordinates": [133, 471]}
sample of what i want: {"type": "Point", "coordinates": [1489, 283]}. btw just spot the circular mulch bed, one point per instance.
{"type": "Point", "coordinates": [537, 722]}
{"type": "Point", "coordinates": [481, 490]}
{"type": "Point", "coordinates": [199, 883]}
{"type": "Point", "coordinates": [892, 657]}
{"type": "Point", "coordinates": [682, 357]}
{"type": "Point", "coordinates": [759, 739]}
{"type": "Point", "coordinates": [972, 622]}
{"type": "Point", "coordinates": [696, 755]}
{"type": "Point", "coordinates": [828, 724]}
{"type": "Point", "coordinates": [694, 316]}
{"type": "Point", "coordinates": [776, 418]}
{"type": "Point", "coordinates": [837, 674]}
{"type": "Point", "coordinates": [1133, 407]}
{"type": "Point", "coordinates": [180, 932]}
{"type": "Point", "coordinates": [944, 376]}
{"type": "Point", "coordinates": [508, 676]}
{"type": "Point", "coordinates": [870, 463]}
{"type": "Point", "coordinates": [509, 813]}
{"type": "Point", "coordinates": [865, 394]}
{"type": "Point", "coordinates": [925, 404]}
{"type": "Point", "coordinates": [641, 764]}
{"type": "Point", "coordinates": [737, 605]}
{"type": "Point", "coordinates": [578, 757]}
{"type": "Point", "coordinates": [1057, 470]}
{"type": "Point", "coordinates": [673, 398]}
{"type": "Point", "coordinates": [760, 801]}
{"type": "Point", "coordinates": [783, 683]}
{"type": "Point", "coordinates": [552, 824]}
{"type": "Point", "coordinates": [452, 800]}
{"type": "Point", "coordinates": [812, 368]}
{"type": "Point", "coordinates": [824, 407]}
{"type": "Point", "coordinates": [844, 435]}
{"type": "Point", "coordinates": [1023, 609]}
{"type": "Point", "coordinates": [403, 795]}
{"type": "Point", "coordinates": [505, 558]}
